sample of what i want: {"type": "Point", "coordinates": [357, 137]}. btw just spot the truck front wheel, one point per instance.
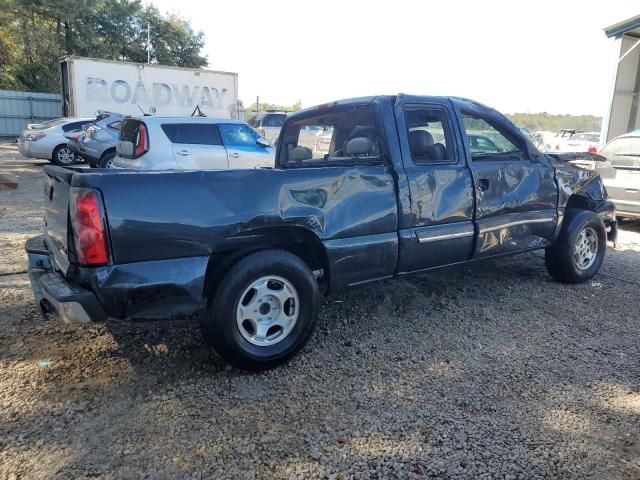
{"type": "Point", "coordinates": [577, 254]}
{"type": "Point", "coordinates": [263, 311]}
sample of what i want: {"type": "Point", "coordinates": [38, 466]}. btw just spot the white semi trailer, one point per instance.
{"type": "Point", "coordinates": [89, 85]}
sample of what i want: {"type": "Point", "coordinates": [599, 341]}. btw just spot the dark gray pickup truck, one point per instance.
{"type": "Point", "coordinates": [363, 190]}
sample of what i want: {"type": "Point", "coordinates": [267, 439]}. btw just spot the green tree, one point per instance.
{"type": "Point", "coordinates": [34, 34]}
{"type": "Point", "coordinates": [553, 123]}
{"type": "Point", "coordinates": [273, 106]}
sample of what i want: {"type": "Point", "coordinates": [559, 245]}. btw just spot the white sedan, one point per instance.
{"type": "Point", "coordinates": [580, 142]}
{"type": "Point", "coordinates": [48, 141]}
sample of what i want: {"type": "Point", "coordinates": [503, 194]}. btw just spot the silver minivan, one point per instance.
{"type": "Point", "coordinates": [192, 143]}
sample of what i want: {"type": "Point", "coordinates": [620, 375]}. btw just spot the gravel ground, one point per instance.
{"type": "Point", "coordinates": [488, 371]}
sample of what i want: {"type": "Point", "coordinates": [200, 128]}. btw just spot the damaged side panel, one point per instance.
{"type": "Point", "coordinates": [150, 290]}
{"type": "Point", "coordinates": [516, 207]}
{"type": "Point", "coordinates": [216, 211]}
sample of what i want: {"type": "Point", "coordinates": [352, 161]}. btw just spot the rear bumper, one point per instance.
{"type": "Point", "coordinates": [34, 149]}
{"type": "Point", "coordinates": [53, 294]}
{"type": "Point", "coordinates": [627, 208]}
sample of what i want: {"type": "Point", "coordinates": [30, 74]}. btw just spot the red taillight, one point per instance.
{"type": "Point", "coordinates": [88, 229]}
{"type": "Point", "coordinates": [142, 145]}
{"type": "Point", "coordinates": [592, 149]}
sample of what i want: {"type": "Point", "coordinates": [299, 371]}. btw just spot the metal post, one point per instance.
{"type": "Point", "coordinates": [258, 102]}
{"type": "Point", "coordinates": [30, 108]}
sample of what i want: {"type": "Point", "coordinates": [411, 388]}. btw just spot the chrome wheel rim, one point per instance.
{"type": "Point", "coordinates": [109, 163]}
{"type": "Point", "coordinates": [267, 311]}
{"type": "Point", "coordinates": [65, 155]}
{"type": "Point", "coordinates": [586, 248]}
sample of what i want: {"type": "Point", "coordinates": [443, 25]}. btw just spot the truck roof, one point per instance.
{"type": "Point", "coordinates": [392, 98]}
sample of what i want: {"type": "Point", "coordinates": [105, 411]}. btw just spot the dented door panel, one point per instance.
{"type": "Point", "coordinates": [516, 206]}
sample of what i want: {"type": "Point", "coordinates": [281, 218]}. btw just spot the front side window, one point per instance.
{"type": "Point", "coordinates": [487, 141]}
{"type": "Point", "coordinates": [429, 135]}
{"type": "Point", "coordinates": [238, 135]}
{"type": "Point", "coordinates": [338, 135]}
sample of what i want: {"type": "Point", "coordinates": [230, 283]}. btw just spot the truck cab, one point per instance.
{"type": "Point", "coordinates": [466, 182]}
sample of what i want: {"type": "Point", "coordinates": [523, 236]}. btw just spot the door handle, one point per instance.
{"type": "Point", "coordinates": [184, 153]}
{"type": "Point", "coordinates": [483, 184]}
{"type": "Point", "coordinates": [235, 155]}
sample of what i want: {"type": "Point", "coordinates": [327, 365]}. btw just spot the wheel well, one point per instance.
{"type": "Point", "coordinates": [296, 240]}
{"type": "Point", "coordinates": [55, 149]}
{"type": "Point", "coordinates": [580, 202]}
{"type": "Point", "coordinates": [107, 152]}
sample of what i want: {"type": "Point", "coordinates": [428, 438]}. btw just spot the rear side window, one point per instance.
{"type": "Point", "coordinates": [341, 135]}
{"type": "Point", "coordinates": [74, 126]}
{"type": "Point", "coordinates": [115, 125]}
{"type": "Point", "coordinates": [274, 120]}
{"type": "Point", "coordinates": [192, 133]}
{"type": "Point", "coordinates": [429, 135]}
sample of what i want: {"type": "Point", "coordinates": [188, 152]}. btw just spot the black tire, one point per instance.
{"type": "Point", "coordinates": [220, 327]}
{"type": "Point", "coordinates": [63, 156]}
{"type": "Point", "coordinates": [106, 159]}
{"type": "Point", "coordinates": [560, 257]}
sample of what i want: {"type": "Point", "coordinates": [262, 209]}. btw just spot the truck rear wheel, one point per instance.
{"type": "Point", "coordinates": [578, 252]}
{"type": "Point", "coordinates": [263, 311]}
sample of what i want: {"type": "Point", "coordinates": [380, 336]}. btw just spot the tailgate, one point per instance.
{"type": "Point", "coordinates": [56, 213]}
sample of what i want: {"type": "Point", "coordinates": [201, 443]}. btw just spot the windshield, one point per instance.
{"type": "Point", "coordinates": [51, 123]}
{"type": "Point", "coordinates": [622, 146]}
{"type": "Point", "coordinates": [273, 120]}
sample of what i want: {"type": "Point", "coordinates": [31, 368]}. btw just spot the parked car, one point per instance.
{"type": "Point", "coordinates": [250, 252]}
{"type": "Point", "coordinates": [621, 173]}
{"type": "Point", "coordinates": [535, 138]}
{"type": "Point", "coordinates": [47, 140]}
{"type": "Point", "coordinates": [97, 142]}
{"type": "Point", "coordinates": [579, 142]}
{"type": "Point", "coordinates": [192, 143]}
{"type": "Point", "coordinates": [267, 124]}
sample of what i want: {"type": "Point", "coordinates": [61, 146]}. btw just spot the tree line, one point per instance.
{"type": "Point", "coordinates": [35, 34]}
{"type": "Point", "coordinates": [548, 122]}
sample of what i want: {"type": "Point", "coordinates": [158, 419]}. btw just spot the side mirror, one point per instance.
{"type": "Point", "coordinates": [263, 142]}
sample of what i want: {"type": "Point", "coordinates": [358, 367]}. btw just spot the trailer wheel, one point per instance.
{"type": "Point", "coordinates": [578, 252]}
{"type": "Point", "coordinates": [263, 311]}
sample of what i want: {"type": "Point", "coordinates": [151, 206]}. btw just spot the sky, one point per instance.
{"type": "Point", "coordinates": [512, 55]}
